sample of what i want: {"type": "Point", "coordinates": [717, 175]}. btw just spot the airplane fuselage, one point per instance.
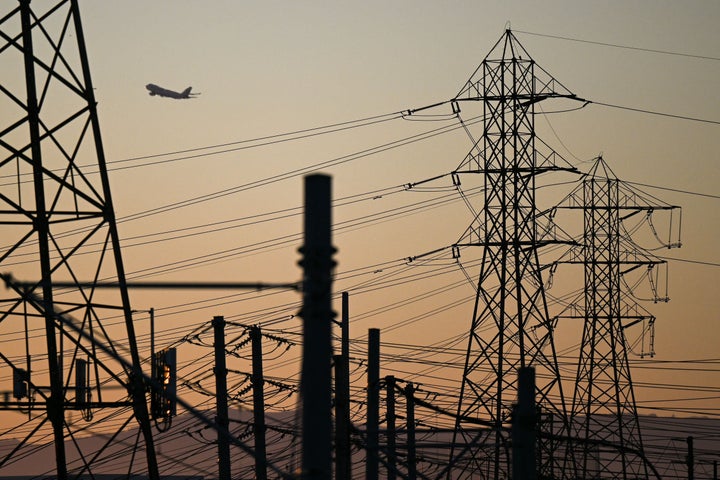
{"type": "Point", "coordinates": [164, 92]}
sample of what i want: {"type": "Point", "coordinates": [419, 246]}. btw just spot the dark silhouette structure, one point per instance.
{"type": "Point", "coordinates": [510, 326]}
{"type": "Point", "coordinates": [59, 225]}
{"type": "Point", "coordinates": [604, 417]}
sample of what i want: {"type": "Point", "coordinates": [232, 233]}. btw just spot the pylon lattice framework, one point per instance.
{"type": "Point", "coordinates": [604, 417]}
{"type": "Point", "coordinates": [510, 326]}
{"type": "Point", "coordinates": [58, 225]}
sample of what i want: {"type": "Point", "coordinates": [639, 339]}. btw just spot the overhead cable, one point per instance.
{"type": "Point", "coordinates": [615, 45]}
{"type": "Point", "coordinates": [651, 112]}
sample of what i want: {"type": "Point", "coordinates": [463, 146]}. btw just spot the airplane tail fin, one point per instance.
{"type": "Point", "coordinates": [186, 92]}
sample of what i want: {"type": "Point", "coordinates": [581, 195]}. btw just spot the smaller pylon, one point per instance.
{"type": "Point", "coordinates": [604, 417]}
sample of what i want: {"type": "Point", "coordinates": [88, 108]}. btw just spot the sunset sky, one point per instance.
{"type": "Point", "coordinates": [275, 67]}
{"type": "Point", "coordinates": [205, 190]}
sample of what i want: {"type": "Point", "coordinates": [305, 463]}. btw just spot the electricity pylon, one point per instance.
{"type": "Point", "coordinates": [604, 418]}
{"type": "Point", "coordinates": [510, 326]}
{"type": "Point", "coordinates": [58, 225]}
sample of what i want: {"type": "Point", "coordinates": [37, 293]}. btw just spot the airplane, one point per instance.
{"type": "Point", "coordinates": [163, 92]}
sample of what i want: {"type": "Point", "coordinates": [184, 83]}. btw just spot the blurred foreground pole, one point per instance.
{"type": "Point", "coordinates": [316, 378]}
{"type": "Point", "coordinates": [372, 429]}
{"type": "Point", "coordinates": [523, 427]}
{"type": "Point", "coordinates": [221, 404]}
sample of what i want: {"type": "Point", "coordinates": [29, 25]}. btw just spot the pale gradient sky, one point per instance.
{"type": "Point", "coordinates": [270, 67]}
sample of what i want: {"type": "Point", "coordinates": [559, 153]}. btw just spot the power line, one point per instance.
{"type": "Point", "coordinates": [687, 192]}
{"type": "Point", "coordinates": [651, 112]}
{"type": "Point", "coordinates": [294, 173]}
{"type": "Point", "coordinates": [627, 47]}
{"type": "Point", "coordinates": [321, 130]}
{"type": "Point", "coordinates": [696, 262]}
{"type": "Point", "coordinates": [267, 140]}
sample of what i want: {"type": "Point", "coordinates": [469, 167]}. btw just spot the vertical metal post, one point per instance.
{"type": "Point", "coordinates": [390, 430]}
{"type": "Point", "coordinates": [345, 332]}
{"type": "Point", "coordinates": [690, 458]}
{"type": "Point", "coordinates": [153, 374]}
{"type": "Point", "coordinates": [221, 403]}
{"type": "Point", "coordinates": [373, 405]}
{"type": "Point", "coordinates": [152, 340]}
{"type": "Point", "coordinates": [258, 382]}
{"type": "Point", "coordinates": [316, 381]}
{"type": "Point", "coordinates": [343, 458]}
{"type": "Point", "coordinates": [343, 462]}
{"type": "Point", "coordinates": [410, 425]}
{"type": "Point", "coordinates": [523, 427]}
{"type": "Point", "coordinates": [55, 403]}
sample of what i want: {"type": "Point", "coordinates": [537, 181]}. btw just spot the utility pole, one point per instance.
{"type": "Point", "coordinates": [221, 403]}
{"type": "Point", "coordinates": [690, 459]}
{"type": "Point", "coordinates": [343, 462]}
{"type": "Point", "coordinates": [372, 429]}
{"type": "Point", "coordinates": [258, 382]}
{"type": "Point", "coordinates": [390, 427]}
{"type": "Point", "coordinates": [524, 426]}
{"type": "Point", "coordinates": [345, 332]}
{"type": "Point", "coordinates": [410, 426]}
{"type": "Point", "coordinates": [317, 314]}
{"type": "Point", "coordinates": [152, 341]}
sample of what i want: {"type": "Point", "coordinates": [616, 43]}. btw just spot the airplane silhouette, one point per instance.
{"type": "Point", "coordinates": [163, 92]}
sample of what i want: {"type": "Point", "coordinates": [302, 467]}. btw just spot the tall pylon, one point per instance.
{"type": "Point", "coordinates": [604, 418]}
{"type": "Point", "coordinates": [58, 226]}
{"type": "Point", "coordinates": [510, 325]}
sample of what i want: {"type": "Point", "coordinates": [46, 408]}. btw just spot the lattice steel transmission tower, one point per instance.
{"type": "Point", "coordinates": [59, 345]}
{"type": "Point", "coordinates": [510, 325]}
{"type": "Point", "coordinates": [604, 418]}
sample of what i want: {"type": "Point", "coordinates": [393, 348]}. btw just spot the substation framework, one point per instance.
{"type": "Point", "coordinates": [59, 224]}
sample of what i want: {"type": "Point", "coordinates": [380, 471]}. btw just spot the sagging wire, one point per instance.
{"type": "Point", "coordinates": [648, 328]}
{"type": "Point", "coordinates": [469, 279]}
{"type": "Point", "coordinates": [466, 200]}
{"type": "Point", "coordinates": [197, 387]}
{"type": "Point", "coordinates": [652, 284]}
{"type": "Point", "coordinates": [670, 244]}
{"type": "Point", "coordinates": [653, 280]}
{"type": "Point", "coordinates": [196, 340]}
